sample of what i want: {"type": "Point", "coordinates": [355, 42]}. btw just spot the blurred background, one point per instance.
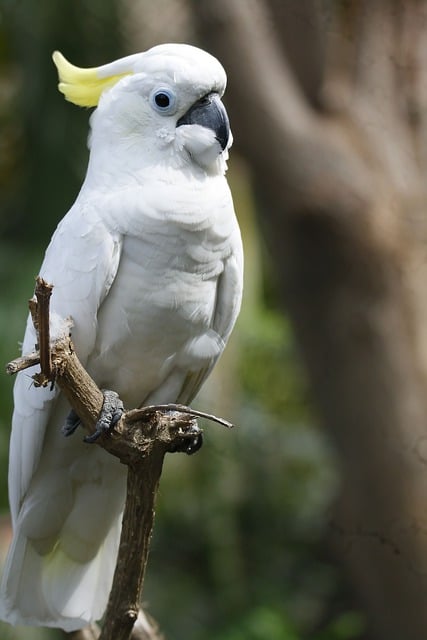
{"type": "Point", "coordinates": [310, 519]}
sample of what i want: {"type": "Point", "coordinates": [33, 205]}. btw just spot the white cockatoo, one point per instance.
{"type": "Point", "coordinates": [148, 263]}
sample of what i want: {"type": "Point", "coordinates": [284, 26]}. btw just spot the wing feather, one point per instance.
{"type": "Point", "coordinates": [227, 307]}
{"type": "Point", "coordinates": [81, 262]}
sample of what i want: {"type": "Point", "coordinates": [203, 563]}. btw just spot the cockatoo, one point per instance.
{"type": "Point", "coordinates": [148, 263]}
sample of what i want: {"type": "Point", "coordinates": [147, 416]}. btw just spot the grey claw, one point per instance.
{"type": "Point", "coordinates": [72, 422]}
{"type": "Point", "coordinates": [111, 412]}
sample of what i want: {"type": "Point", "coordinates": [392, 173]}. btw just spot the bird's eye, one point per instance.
{"type": "Point", "coordinates": [163, 100]}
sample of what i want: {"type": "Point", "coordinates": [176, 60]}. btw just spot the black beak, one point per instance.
{"type": "Point", "coordinates": [209, 112]}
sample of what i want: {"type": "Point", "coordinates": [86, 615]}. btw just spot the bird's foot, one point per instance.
{"type": "Point", "coordinates": [72, 422]}
{"type": "Point", "coordinates": [111, 412]}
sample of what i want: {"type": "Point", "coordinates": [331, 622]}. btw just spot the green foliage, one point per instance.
{"type": "Point", "coordinates": [348, 625]}
{"type": "Point", "coordinates": [269, 366]}
{"type": "Point", "coordinates": [26, 633]}
{"type": "Point", "coordinates": [45, 138]}
{"type": "Point", "coordinates": [262, 623]}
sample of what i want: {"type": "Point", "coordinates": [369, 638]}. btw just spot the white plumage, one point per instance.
{"type": "Point", "coordinates": [148, 262]}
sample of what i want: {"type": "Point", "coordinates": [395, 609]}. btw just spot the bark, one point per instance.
{"type": "Point", "coordinates": [339, 154]}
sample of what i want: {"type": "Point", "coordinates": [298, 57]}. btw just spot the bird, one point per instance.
{"type": "Point", "coordinates": [148, 262]}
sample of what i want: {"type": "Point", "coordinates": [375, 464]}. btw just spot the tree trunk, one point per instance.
{"type": "Point", "coordinates": [328, 104]}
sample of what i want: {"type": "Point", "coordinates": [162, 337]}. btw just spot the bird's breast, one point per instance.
{"type": "Point", "coordinates": [163, 299]}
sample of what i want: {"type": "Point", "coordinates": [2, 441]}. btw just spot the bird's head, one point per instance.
{"type": "Point", "coordinates": [162, 103]}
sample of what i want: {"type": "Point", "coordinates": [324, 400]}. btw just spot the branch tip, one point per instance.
{"type": "Point", "coordinates": [24, 362]}
{"type": "Point", "coordinates": [136, 414]}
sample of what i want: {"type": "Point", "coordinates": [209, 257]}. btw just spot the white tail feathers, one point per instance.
{"type": "Point", "coordinates": [54, 590]}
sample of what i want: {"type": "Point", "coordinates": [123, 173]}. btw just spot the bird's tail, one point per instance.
{"type": "Point", "coordinates": [54, 590]}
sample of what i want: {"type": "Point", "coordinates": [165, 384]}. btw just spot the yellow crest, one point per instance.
{"type": "Point", "coordinates": [82, 86]}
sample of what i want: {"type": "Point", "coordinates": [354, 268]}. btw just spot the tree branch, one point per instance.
{"type": "Point", "coordinates": [43, 293]}
{"type": "Point", "coordinates": [140, 440]}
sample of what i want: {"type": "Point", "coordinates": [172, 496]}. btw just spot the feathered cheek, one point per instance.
{"type": "Point", "coordinates": [165, 136]}
{"type": "Point", "coordinates": [199, 142]}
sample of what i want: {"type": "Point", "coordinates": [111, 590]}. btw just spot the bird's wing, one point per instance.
{"type": "Point", "coordinates": [81, 262]}
{"type": "Point", "coordinates": [227, 307]}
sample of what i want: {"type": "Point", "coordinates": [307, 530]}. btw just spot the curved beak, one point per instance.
{"type": "Point", "coordinates": [209, 112]}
